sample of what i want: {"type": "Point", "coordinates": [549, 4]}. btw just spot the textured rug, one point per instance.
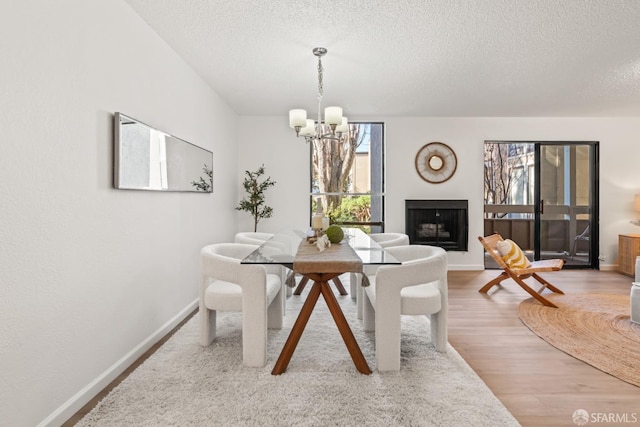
{"type": "Point", "coordinates": [183, 384]}
{"type": "Point", "coordinates": [592, 327]}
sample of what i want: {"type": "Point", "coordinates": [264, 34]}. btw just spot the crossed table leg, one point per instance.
{"type": "Point", "coordinates": [321, 286]}
{"type": "Point", "coordinates": [336, 281]}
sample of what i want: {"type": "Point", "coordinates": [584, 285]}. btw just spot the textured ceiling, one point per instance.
{"type": "Point", "coordinates": [411, 57]}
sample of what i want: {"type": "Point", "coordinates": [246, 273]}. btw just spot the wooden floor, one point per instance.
{"type": "Point", "coordinates": [540, 385]}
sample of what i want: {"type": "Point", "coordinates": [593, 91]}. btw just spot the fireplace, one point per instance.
{"type": "Point", "coordinates": [443, 223]}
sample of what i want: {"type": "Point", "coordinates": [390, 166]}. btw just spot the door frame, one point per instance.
{"type": "Point", "coordinates": [594, 183]}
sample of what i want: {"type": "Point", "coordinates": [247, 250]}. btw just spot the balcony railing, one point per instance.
{"type": "Point", "coordinates": [559, 226]}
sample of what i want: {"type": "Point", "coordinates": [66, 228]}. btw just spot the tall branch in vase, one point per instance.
{"type": "Point", "coordinates": [254, 202]}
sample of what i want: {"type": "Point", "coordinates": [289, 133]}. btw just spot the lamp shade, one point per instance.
{"type": "Point", "coordinates": [636, 204]}
{"type": "Point", "coordinates": [297, 117]}
{"type": "Point", "coordinates": [333, 116]}
{"type": "Point", "coordinates": [309, 128]}
{"type": "Point", "coordinates": [344, 126]}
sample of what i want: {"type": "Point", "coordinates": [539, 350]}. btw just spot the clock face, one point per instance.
{"type": "Point", "coordinates": [436, 162]}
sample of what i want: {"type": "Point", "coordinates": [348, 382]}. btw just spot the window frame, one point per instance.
{"type": "Point", "coordinates": [374, 226]}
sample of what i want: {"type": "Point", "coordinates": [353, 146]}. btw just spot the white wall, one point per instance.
{"type": "Point", "coordinates": [270, 141]}
{"type": "Point", "coordinates": [90, 275]}
{"type": "Point", "coordinates": [288, 158]}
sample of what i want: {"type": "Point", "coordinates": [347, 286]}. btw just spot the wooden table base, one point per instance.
{"type": "Point", "coordinates": [336, 281]}
{"type": "Point", "coordinates": [321, 286]}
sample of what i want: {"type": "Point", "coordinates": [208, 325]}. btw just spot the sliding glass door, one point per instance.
{"type": "Point", "coordinates": [565, 225]}
{"type": "Point", "coordinates": [544, 196]}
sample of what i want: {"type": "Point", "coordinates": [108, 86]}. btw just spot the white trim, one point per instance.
{"type": "Point", "coordinates": [466, 267]}
{"type": "Point", "coordinates": [473, 267]}
{"type": "Point", "coordinates": [76, 402]}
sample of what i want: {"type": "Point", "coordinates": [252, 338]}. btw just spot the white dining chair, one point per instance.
{"type": "Point", "coordinates": [252, 237]}
{"type": "Point", "coordinates": [258, 238]}
{"type": "Point", "coordinates": [385, 240]}
{"type": "Point", "coordinates": [255, 290]}
{"type": "Point", "coordinates": [418, 286]}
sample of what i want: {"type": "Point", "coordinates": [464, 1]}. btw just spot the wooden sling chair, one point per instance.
{"type": "Point", "coordinates": [490, 244]}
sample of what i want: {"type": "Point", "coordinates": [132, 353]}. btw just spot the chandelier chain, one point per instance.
{"type": "Point", "coordinates": [330, 130]}
{"type": "Point", "coordinates": [320, 75]}
{"type": "Point", "coordinates": [320, 93]}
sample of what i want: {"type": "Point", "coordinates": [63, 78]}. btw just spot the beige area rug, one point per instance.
{"type": "Point", "coordinates": [592, 327]}
{"type": "Point", "coordinates": [183, 384]}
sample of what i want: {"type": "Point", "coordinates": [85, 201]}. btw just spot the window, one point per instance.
{"type": "Point", "coordinates": [347, 177]}
{"type": "Point", "coordinates": [508, 178]}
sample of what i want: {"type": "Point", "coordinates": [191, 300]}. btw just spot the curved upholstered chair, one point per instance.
{"type": "Point", "coordinates": [255, 290]}
{"type": "Point", "coordinates": [258, 238]}
{"type": "Point", "coordinates": [416, 287]}
{"type": "Point", "coordinates": [252, 237]}
{"type": "Point", "coordinates": [385, 240]}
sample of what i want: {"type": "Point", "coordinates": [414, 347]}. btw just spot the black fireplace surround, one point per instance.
{"type": "Point", "coordinates": [443, 223]}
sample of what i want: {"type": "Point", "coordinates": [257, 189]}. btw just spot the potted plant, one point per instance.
{"type": "Point", "coordinates": [254, 202]}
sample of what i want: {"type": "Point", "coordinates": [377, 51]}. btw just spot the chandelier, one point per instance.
{"type": "Point", "coordinates": [334, 124]}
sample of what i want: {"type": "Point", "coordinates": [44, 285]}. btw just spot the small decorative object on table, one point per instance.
{"type": "Point", "coordinates": [319, 223]}
{"type": "Point", "coordinates": [316, 223]}
{"type": "Point", "coordinates": [335, 234]}
{"type": "Point", "coordinates": [323, 242]}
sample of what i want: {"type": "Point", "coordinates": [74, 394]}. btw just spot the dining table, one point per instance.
{"type": "Point", "coordinates": [301, 255]}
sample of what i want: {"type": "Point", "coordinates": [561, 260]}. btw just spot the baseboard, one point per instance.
{"type": "Point", "coordinates": [466, 267]}
{"type": "Point", "coordinates": [75, 403]}
{"type": "Point", "coordinates": [480, 267]}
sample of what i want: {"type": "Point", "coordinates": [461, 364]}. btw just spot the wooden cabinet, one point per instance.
{"type": "Point", "coordinates": [628, 250]}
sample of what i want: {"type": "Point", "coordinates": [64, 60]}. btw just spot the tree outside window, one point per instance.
{"type": "Point", "coordinates": [347, 177]}
{"type": "Point", "coordinates": [508, 175]}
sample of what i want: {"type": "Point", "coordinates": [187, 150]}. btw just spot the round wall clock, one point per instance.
{"type": "Point", "coordinates": [436, 162]}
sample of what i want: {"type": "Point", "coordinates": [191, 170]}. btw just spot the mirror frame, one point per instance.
{"type": "Point", "coordinates": [172, 170]}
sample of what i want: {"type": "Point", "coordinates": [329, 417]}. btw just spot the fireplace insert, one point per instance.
{"type": "Point", "coordinates": [443, 223]}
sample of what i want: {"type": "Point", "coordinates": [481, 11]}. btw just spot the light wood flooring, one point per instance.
{"type": "Point", "coordinates": [539, 385]}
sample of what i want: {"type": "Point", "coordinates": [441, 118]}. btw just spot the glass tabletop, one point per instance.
{"type": "Point", "coordinates": [283, 246]}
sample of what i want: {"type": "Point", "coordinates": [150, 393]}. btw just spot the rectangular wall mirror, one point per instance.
{"type": "Point", "coordinates": [149, 159]}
